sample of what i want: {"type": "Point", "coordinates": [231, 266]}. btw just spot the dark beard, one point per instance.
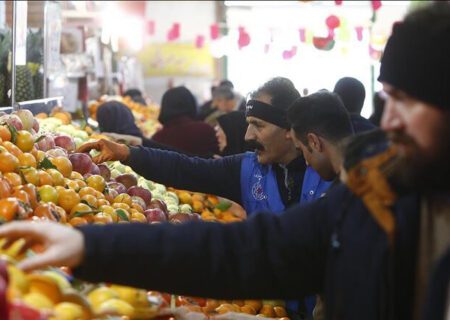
{"type": "Point", "coordinates": [418, 172]}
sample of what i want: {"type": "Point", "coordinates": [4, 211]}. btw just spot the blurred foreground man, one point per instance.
{"type": "Point", "coordinates": [370, 246]}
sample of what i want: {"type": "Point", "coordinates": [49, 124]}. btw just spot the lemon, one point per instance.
{"type": "Point", "coordinates": [38, 300]}
{"type": "Point", "coordinates": [60, 280]}
{"type": "Point", "coordinates": [133, 296]}
{"type": "Point", "coordinates": [18, 279]}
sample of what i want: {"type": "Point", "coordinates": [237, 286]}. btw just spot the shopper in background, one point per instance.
{"type": "Point", "coordinates": [378, 108]}
{"type": "Point", "coordinates": [135, 95]}
{"type": "Point", "coordinates": [224, 101]}
{"type": "Point", "coordinates": [117, 121]}
{"type": "Point", "coordinates": [230, 133]}
{"type": "Point", "coordinates": [208, 107]}
{"type": "Point", "coordinates": [180, 129]}
{"type": "Point", "coordinates": [352, 93]}
{"type": "Point", "coordinates": [320, 126]}
{"type": "Point", "coordinates": [368, 268]}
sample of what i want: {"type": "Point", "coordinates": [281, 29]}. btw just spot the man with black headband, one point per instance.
{"type": "Point", "coordinates": [370, 245]}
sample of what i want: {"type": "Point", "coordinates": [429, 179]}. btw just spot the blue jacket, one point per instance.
{"type": "Point", "coordinates": [332, 245]}
{"type": "Point", "coordinates": [239, 177]}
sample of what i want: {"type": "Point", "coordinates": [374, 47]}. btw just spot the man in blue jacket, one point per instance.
{"type": "Point", "coordinates": [369, 246]}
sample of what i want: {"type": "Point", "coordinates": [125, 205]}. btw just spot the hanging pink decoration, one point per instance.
{"type": "Point", "coordinates": [374, 53]}
{"type": "Point", "coordinates": [266, 48]}
{"type": "Point", "coordinates": [333, 22]}
{"type": "Point", "coordinates": [302, 34]}
{"type": "Point", "coordinates": [338, 2]}
{"type": "Point", "coordinates": [199, 41]}
{"type": "Point", "coordinates": [376, 4]}
{"type": "Point", "coordinates": [214, 31]}
{"type": "Point", "coordinates": [174, 32]}
{"type": "Point", "coordinates": [359, 33]}
{"type": "Point", "coordinates": [151, 27]}
{"type": "Point", "coordinates": [289, 54]}
{"type": "Point", "coordinates": [244, 38]}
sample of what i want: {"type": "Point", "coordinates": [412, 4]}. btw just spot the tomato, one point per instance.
{"type": "Point", "coordinates": [97, 182]}
{"type": "Point", "coordinates": [48, 194]}
{"type": "Point", "coordinates": [8, 162]}
{"type": "Point", "coordinates": [63, 165]}
{"type": "Point", "coordinates": [27, 160]}
{"type": "Point", "coordinates": [24, 140]}
{"type": "Point", "coordinates": [44, 178]}
{"type": "Point", "coordinates": [5, 134]}
{"type": "Point", "coordinates": [9, 208]}
{"type": "Point", "coordinates": [67, 199]}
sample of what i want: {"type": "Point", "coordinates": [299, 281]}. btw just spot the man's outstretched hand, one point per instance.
{"type": "Point", "coordinates": [109, 151]}
{"type": "Point", "coordinates": [64, 246]}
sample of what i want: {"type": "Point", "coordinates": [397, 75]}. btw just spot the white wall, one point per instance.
{"type": "Point", "coordinates": [195, 17]}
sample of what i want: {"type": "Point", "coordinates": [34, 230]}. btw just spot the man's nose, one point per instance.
{"type": "Point", "coordinates": [250, 134]}
{"type": "Point", "coordinates": [391, 119]}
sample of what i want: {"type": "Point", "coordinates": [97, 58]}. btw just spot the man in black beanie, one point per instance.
{"type": "Point", "coordinates": [369, 245]}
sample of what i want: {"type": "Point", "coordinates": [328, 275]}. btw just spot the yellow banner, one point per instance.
{"type": "Point", "coordinates": [176, 59]}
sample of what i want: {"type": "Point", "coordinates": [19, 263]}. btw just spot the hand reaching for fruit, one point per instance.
{"type": "Point", "coordinates": [64, 246]}
{"type": "Point", "coordinates": [109, 151]}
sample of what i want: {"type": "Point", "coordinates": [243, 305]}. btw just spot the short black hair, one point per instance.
{"type": "Point", "coordinates": [281, 90]}
{"type": "Point", "coordinates": [322, 113]}
{"type": "Point", "coordinates": [223, 92]}
{"type": "Point", "coordinates": [352, 93]}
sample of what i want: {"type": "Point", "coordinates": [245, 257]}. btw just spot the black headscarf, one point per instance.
{"type": "Point", "coordinates": [113, 116]}
{"type": "Point", "coordinates": [177, 102]}
{"type": "Point", "coordinates": [352, 93]}
{"type": "Point", "coordinates": [234, 126]}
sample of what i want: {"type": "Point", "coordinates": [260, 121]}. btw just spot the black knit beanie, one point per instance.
{"type": "Point", "coordinates": [416, 59]}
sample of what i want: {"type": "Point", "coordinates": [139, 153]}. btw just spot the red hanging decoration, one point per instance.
{"type": "Point", "coordinates": [151, 27]}
{"type": "Point", "coordinates": [338, 2]}
{"type": "Point", "coordinates": [333, 22]}
{"type": "Point", "coordinates": [199, 41]}
{"type": "Point", "coordinates": [214, 31]}
{"type": "Point", "coordinates": [359, 33]}
{"type": "Point", "coordinates": [244, 38]}
{"type": "Point", "coordinates": [174, 32]}
{"type": "Point", "coordinates": [302, 34]}
{"type": "Point", "coordinates": [289, 54]}
{"type": "Point", "coordinates": [376, 4]}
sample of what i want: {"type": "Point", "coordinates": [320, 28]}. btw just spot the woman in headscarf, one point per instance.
{"type": "Point", "coordinates": [230, 133]}
{"type": "Point", "coordinates": [180, 128]}
{"type": "Point", "coordinates": [116, 118]}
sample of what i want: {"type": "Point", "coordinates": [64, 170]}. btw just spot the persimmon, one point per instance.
{"type": "Point", "coordinates": [102, 218]}
{"type": "Point", "coordinates": [9, 208]}
{"type": "Point", "coordinates": [63, 165]}
{"type": "Point", "coordinates": [13, 179]}
{"type": "Point", "coordinates": [5, 134]}
{"type": "Point", "coordinates": [30, 189]}
{"type": "Point", "coordinates": [45, 178]}
{"type": "Point", "coordinates": [57, 177]}
{"type": "Point", "coordinates": [12, 148]}
{"type": "Point", "coordinates": [47, 211]}
{"type": "Point", "coordinates": [90, 200]}
{"type": "Point", "coordinates": [29, 175]}
{"type": "Point", "coordinates": [8, 162]}
{"type": "Point", "coordinates": [5, 188]}
{"type": "Point", "coordinates": [27, 160]}
{"type": "Point", "coordinates": [97, 182]}
{"type": "Point", "coordinates": [24, 140]}
{"type": "Point", "coordinates": [67, 199]}
{"type": "Point", "coordinates": [77, 221]}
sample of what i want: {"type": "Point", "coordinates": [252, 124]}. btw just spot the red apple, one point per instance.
{"type": "Point", "coordinates": [45, 143]}
{"type": "Point", "coordinates": [36, 125]}
{"type": "Point", "coordinates": [81, 162]}
{"type": "Point", "coordinates": [12, 120]}
{"type": "Point", "coordinates": [127, 179]}
{"type": "Point", "coordinates": [104, 171]}
{"type": "Point", "coordinates": [156, 203]}
{"type": "Point", "coordinates": [155, 215]}
{"type": "Point", "coordinates": [141, 192]}
{"type": "Point", "coordinates": [65, 142]}
{"type": "Point", "coordinates": [181, 217]}
{"type": "Point", "coordinates": [117, 186]}
{"type": "Point", "coordinates": [26, 117]}
{"type": "Point", "coordinates": [56, 152]}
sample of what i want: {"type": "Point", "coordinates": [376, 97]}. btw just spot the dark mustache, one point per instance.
{"type": "Point", "coordinates": [398, 137]}
{"type": "Point", "coordinates": [253, 145]}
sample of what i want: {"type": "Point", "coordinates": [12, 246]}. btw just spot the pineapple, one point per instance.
{"type": "Point", "coordinates": [35, 56]}
{"type": "Point", "coordinates": [5, 47]}
{"type": "Point", "coordinates": [24, 84]}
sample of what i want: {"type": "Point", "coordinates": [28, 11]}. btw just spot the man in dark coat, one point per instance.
{"type": "Point", "coordinates": [370, 246]}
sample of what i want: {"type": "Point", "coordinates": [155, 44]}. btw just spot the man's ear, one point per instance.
{"type": "Point", "coordinates": [314, 142]}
